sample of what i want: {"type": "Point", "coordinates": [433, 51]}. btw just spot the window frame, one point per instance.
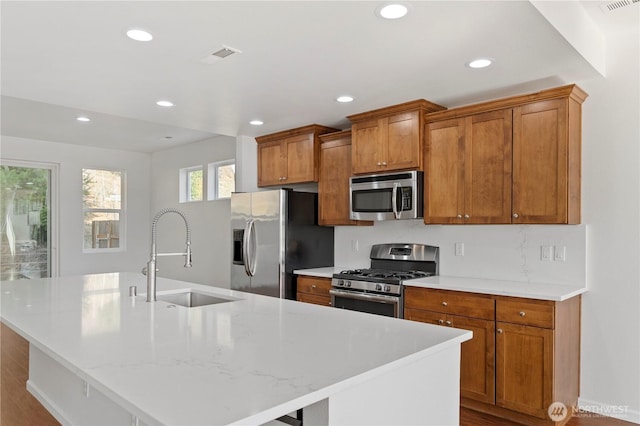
{"type": "Point", "coordinates": [212, 178]}
{"type": "Point", "coordinates": [122, 216]}
{"type": "Point", "coordinates": [185, 184]}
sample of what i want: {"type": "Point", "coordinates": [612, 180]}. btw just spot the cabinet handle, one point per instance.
{"type": "Point", "coordinates": [499, 331]}
{"type": "Point", "coordinates": [440, 321]}
{"type": "Point", "coordinates": [444, 303]}
{"type": "Point", "coordinates": [448, 322]}
{"type": "Point", "coordinates": [515, 215]}
{"type": "Point", "coordinates": [384, 163]}
{"type": "Point", "coordinates": [313, 286]}
{"type": "Point", "coordinates": [379, 164]}
{"type": "Point", "coordinates": [459, 216]}
{"type": "Point", "coordinates": [466, 216]}
{"type": "Point", "coordinates": [521, 313]}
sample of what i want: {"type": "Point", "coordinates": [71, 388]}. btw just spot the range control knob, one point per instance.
{"type": "Point", "coordinates": [348, 283]}
{"type": "Point", "coordinates": [340, 283]}
{"type": "Point", "coordinates": [387, 288]}
{"type": "Point", "coordinates": [379, 287]}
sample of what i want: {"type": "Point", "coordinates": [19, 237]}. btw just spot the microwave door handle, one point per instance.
{"type": "Point", "coordinates": [394, 200]}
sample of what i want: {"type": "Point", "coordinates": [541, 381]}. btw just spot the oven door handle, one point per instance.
{"type": "Point", "coordinates": [366, 296]}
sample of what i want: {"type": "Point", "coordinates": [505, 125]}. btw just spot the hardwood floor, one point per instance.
{"type": "Point", "coordinates": [474, 418]}
{"type": "Point", "coordinates": [17, 405]}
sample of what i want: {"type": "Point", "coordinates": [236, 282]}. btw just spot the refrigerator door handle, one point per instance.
{"type": "Point", "coordinates": [245, 248]}
{"type": "Point", "coordinates": [250, 248]}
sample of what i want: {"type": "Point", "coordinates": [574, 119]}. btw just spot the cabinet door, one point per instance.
{"type": "Point", "coordinates": [271, 163]}
{"type": "Point", "coordinates": [487, 168]}
{"type": "Point", "coordinates": [365, 150]}
{"type": "Point", "coordinates": [477, 359]}
{"type": "Point", "coordinates": [403, 150]}
{"type": "Point", "coordinates": [540, 155]}
{"type": "Point", "coordinates": [524, 368]}
{"type": "Point", "coordinates": [444, 172]}
{"type": "Point", "coordinates": [333, 183]}
{"type": "Point", "coordinates": [301, 164]}
{"type": "Point", "coordinates": [477, 355]}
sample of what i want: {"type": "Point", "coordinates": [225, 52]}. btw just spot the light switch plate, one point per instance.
{"type": "Point", "coordinates": [459, 249]}
{"type": "Point", "coordinates": [559, 253]}
{"type": "Point", "coordinates": [546, 253]}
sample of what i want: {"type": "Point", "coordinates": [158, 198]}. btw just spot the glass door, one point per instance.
{"type": "Point", "coordinates": [26, 220]}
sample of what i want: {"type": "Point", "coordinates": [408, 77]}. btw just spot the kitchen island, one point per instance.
{"type": "Point", "coordinates": [98, 355]}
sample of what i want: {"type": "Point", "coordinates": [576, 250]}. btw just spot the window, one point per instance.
{"type": "Point", "coordinates": [222, 179]}
{"type": "Point", "coordinates": [191, 184]}
{"type": "Point", "coordinates": [102, 201]}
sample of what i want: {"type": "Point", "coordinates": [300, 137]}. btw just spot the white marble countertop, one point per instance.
{"type": "Point", "coordinates": [321, 272]}
{"type": "Point", "coordinates": [532, 290]}
{"type": "Point", "coordinates": [242, 362]}
{"type": "Point", "coordinates": [542, 291]}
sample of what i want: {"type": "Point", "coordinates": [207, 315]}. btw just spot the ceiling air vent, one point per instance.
{"type": "Point", "coordinates": [615, 5]}
{"type": "Point", "coordinates": [225, 52]}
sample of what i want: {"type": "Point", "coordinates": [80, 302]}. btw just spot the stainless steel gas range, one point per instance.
{"type": "Point", "coordinates": [379, 290]}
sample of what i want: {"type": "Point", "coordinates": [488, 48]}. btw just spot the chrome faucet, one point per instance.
{"type": "Point", "coordinates": [150, 270]}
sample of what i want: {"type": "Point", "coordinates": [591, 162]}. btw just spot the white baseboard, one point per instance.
{"type": "Point", "coordinates": [621, 412]}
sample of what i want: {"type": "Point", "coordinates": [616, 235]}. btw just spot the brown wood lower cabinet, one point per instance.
{"type": "Point", "coordinates": [477, 355]}
{"type": "Point", "coordinates": [314, 290]}
{"type": "Point", "coordinates": [518, 362]}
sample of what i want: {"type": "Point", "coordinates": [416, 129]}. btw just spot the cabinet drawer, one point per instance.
{"type": "Point", "coordinates": [429, 317]}
{"type": "Point", "coordinates": [538, 313]}
{"type": "Point", "coordinates": [314, 285]}
{"type": "Point", "coordinates": [450, 302]}
{"type": "Point", "coordinates": [313, 298]}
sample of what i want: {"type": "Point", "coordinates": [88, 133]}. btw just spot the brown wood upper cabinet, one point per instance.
{"type": "Point", "coordinates": [389, 138]}
{"type": "Point", "coordinates": [333, 182]}
{"type": "Point", "coordinates": [513, 160]}
{"type": "Point", "coordinates": [290, 156]}
{"type": "Point", "coordinates": [468, 164]}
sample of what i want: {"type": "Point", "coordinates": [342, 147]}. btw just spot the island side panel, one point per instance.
{"type": "Point", "coordinates": [425, 392]}
{"type": "Point", "coordinates": [69, 398]}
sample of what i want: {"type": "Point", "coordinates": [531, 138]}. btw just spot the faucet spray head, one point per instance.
{"type": "Point", "coordinates": [187, 261]}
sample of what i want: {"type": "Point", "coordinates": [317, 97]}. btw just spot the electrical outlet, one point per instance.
{"type": "Point", "coordinates": [354, 245]}
{"type": "Point", "coordinates": [546, 253]}
{"type": "Point", "coordinates": [459, 249]}
{"type": "Point", "coordinates": [85, 389]}
{"type": "Point", "coordinates": [559, 253]}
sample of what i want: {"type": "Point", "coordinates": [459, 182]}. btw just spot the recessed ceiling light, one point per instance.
{"type": "Point", "coordinates": [480, 63]}
{"type": "Point", "coordinates": [392, 10]}
{"type": "Point", "coordinates": [256, 122]}
{"type": "Point", "coordinates": [139, 35]}
{"type": "Point", "coordinates": [83, 119]}
{"type": "Point", "coordinates": [164, 103]}
{"type": "Point", "coordinates": [344, 98]}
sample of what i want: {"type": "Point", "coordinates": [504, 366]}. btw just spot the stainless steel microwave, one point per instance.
{"type": "Point", "coordinates": [386, 196]}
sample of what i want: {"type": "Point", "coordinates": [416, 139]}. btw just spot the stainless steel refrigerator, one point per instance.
{"type": "Point", "coordinates": [273, 233]}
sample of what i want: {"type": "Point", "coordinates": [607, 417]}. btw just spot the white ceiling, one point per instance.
{"type": "Point", "coordinates": [64, 59]}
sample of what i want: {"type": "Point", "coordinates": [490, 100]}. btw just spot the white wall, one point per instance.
{"type": "Point", "coordinates": [209, 220]}
{"type": "Point", "coordinates": [611, 210]}
{"type": "Point", "coordinates": [72, 159]}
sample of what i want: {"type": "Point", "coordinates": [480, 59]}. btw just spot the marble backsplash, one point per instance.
{"type": "Point", "coordinates": [504, 252]}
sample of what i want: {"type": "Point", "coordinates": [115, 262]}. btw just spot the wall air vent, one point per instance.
{"type": "Point", "coordinates": [225, 52]}
{"type": "Point", "coordinates": [616, 5]}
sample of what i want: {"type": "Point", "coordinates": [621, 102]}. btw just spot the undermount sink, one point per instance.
{"type": "Point", "coordinates": [191, 298]}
